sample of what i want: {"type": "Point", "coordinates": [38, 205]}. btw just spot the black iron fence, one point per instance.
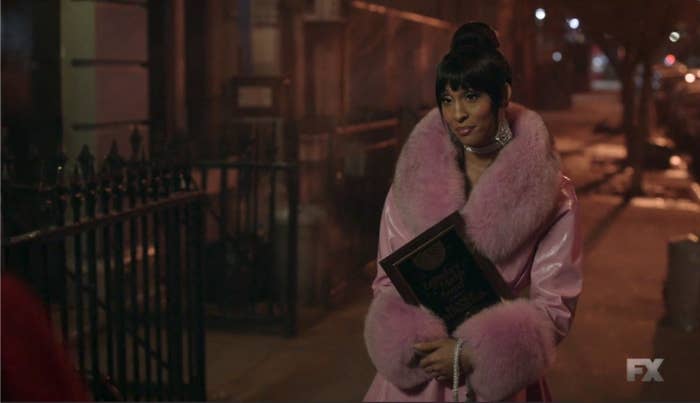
{"type": "Point", "coordinates": [251, 244]}
{"type": "Point", "coordinates": [117, 257]}
{"type": "Point", "coordinates": [131, 260]}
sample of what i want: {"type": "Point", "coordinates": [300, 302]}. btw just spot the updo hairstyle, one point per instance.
{"type": "Point", "coordinates": [474, 62]}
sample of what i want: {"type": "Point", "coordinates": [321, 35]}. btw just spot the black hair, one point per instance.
{"type": "Point", "coordinates": [474, 62]}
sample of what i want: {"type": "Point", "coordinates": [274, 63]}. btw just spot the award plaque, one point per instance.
{"type": "Point", "coordinates": [438, 270]}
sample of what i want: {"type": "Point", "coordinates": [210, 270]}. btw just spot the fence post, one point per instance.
{"type": "Point", "coordinates": [116, 166]}
{"type": "Point", "coordinates": [134, 314]}
{"type": "Point", "coordinates": [87, 163]}
{"type": "Point", "coordinates": [142, 184]}
{"type": "Point", "coordinates": [198, 300]}
{"type": "Point", "coordinates": [292, 264]}
{"type": "Point", "coordinates": [61, 204]}
{"type": "Point", "coordinates": [76, 204]}
{"type": "Point", "coordinates": [156, 182]}
{"type": "Point", "coordinates": [105, 196]}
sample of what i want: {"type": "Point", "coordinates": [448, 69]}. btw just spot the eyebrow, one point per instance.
{"type": "Point", "coordinates": [464, 90]}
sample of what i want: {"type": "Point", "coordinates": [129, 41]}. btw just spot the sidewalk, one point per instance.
{"type": "Point", "coordinates": [625, 265]}
{"type": "Point", "coordinates": [327, 362]}
{"type": "Point", "coordinates": [624, 269]}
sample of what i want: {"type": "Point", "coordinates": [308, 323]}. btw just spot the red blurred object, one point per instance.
{"type": "Point", "coordinates": [669, 60]}
{"type": "Point", "coordinates": [35, 366]}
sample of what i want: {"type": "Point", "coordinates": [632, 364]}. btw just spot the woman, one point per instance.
{"type": "Point", "coordinates": [494, 162]}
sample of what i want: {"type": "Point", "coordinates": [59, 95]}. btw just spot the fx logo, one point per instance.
{"type": "Point", "coordinates": [636, 366]}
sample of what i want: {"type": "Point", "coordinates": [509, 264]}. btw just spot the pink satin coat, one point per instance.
{"type": "Point", "coordinates": [549, 266]}
{"type": "Point", "coordinates": [523, 215]}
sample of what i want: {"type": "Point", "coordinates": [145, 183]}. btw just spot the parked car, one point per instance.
{"type": "Point", "coordinates": [664, 79]}
{"type": "Point", "coordinates": [683, 123]}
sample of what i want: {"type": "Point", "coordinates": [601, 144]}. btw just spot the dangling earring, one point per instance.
{"type": "Point", "coordinates": [503, 134]}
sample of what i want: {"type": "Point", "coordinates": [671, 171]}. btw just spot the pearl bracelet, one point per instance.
{"type": "Point", "coordinates": [455, 370]}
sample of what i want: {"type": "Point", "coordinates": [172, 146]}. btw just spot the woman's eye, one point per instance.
{"type": "Point", "coordinates": [445, 101]}
{"type": "Point", "coordinates": [472, 96]}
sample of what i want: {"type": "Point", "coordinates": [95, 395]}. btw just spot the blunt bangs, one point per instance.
{"type": "Point", "coordinates": [472, 70]}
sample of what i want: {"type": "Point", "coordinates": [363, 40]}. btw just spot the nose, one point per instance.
{"type": "Point", "coordinates": [460, 112]}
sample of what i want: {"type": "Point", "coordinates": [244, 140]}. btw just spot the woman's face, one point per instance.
{"type": "Point", "coordinates": [469, 116]}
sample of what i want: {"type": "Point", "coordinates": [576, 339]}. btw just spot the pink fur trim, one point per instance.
{"type": "Point", "coordinates": [512, 199]}
{"type": "Point", "coordinates": [392, 327]}
{"type": "Point", "coordinates": [428, 186]}
{"type": "Point", "coordinates": [517, 194]}
{"type": "Point", "coordinates": [510, 346]}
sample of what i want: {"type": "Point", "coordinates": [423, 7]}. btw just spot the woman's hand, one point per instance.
{"type": "Point", "coordinates": [438, 358]}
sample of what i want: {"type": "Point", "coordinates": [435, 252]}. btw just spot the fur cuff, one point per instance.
{"type": "Point", "coordinates": [392, 327]}
{"type": "Point", "coordinates": [510, 345]}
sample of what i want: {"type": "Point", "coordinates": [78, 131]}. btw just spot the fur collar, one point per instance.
{"type": "Point", "coordinates": [512, 200]}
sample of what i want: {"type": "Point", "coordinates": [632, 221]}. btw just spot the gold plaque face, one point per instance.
{"type": "Point", "coordinates": [431, 258]}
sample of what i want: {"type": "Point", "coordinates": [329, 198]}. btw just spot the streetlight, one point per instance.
{"type": "Point", "coordinates": [540, 14]}
{"type": "Point", "coordinates": [574, 23]}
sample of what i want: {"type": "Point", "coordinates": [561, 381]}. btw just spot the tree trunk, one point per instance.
{"type": "Point", "coordinates": [628, 108]}
{"type": "Point", "coordinates": [641, 132]}
{"type": "Point", "coordinates": [644, 114]}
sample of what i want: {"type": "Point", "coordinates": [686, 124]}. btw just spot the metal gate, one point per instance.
{"type": "Point", "coordinates": [251, 218]}
{"type": "Point", "coordinates": [251, 244]}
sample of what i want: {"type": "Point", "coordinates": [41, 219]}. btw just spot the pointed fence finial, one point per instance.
{"type": "Point", "coordinates": [87, 163]}
{"type": "Point", "coordinates": [114, 161]}
{"type": "Point", "coordinates": [135, 140]}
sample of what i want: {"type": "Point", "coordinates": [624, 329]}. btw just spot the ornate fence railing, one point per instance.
{"type": "Point", "coordinates": [117, 257]}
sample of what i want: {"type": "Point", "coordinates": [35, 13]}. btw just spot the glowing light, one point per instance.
{"type": "Point", "coordinates": [669, 60]}
{"type": "Point", "coordinates": [599, 62]}
{"type": "Point", "coordinates": [556, 56]}
{"type": "Point", "coordinates": [674, 36]}
{"type": "Point", "coordinates": [690, 78]}
{"type": "Point", "coordinates": [574, 23]}
{"type": "Point", "coordinates": [405, 15]}
{"type": "Point", "coordinates": [540, 14]}
{"type": "Point", "coordinates": [675, 161]}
